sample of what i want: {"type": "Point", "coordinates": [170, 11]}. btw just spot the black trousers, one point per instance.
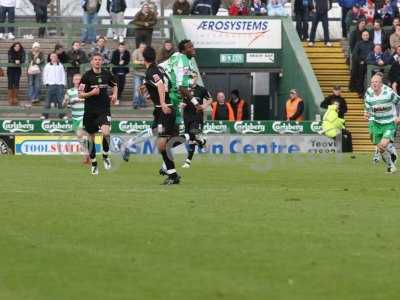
{"type": "Point", "coordinates": [302, 24]}
{"type": "Point", "coordinates": [120, 83]}
{"type": "Point", "coordinates": [345, 10]}
{"type": "Point", "coordinates": [320, 17]}
{"type": "Point", "coordinates": [13, 76]}
{"type": "Point", "coordinates": [41, 17]}
{"type": "Point", "coordinates": [143, 36]}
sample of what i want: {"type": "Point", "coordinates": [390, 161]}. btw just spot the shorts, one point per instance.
{"type": "Point", "coordinates": [193, 125]}
{"type": "Point", "coordinates": [93, 121]}
{"type": "Point", "coordinates": [382, 131]}
{"type": "Point", "coordinates": [165, 124]}
{"type": "Point", "coordinates": [77, 124]}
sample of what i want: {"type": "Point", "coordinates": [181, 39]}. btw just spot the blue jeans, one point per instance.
{"type": "Point", "coordinates": [138, 100]}
{"type": "Point", "coordinates": [10, 12]}
{"type": "Point", "coordinates": [55, 94]}
{"type": "Point", "coordinates": [88, 34]}
{"type": "Point", "coordinates": [34, 82]}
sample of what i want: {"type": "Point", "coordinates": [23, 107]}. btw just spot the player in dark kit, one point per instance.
{"type": "Point", "coordinates": [193, 117]}
{"type": "Point", "coordinates": [164, 113]}
{"type": "Point", "coordinates": [97, 116]}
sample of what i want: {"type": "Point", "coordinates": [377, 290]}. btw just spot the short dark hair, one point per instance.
{"type": "Point", "coordinates": [122, 44]}
{"type": "Point", "coordinates": [182, 44]}
{"type": "Point", "coordinates": [74, 42]}
{"type": "Point", "coordinates": [96, 54]}
{"type": "Point", "coordinates": [149, 54]}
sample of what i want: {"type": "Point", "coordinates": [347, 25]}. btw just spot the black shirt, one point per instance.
{"type": "Point", "coordinates": [200, 93]}
{"type": "Point", "coordinates": [99, 103]}
{"type": "Point", "coordinates": [332, 99]}
{"type": "Point", "coordinates": [222, 112]}
{"type": "Point", "coordinates": [153, 75]}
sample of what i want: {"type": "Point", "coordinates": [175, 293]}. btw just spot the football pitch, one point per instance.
{"type": "Point", "coordinates": [238, 227]}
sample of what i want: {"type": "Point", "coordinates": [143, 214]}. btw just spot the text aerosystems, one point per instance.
{"type": "Point", "coordinates": [233, 25]}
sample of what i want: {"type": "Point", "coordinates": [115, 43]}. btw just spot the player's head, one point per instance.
{"type": "Point", "coordinates": [186, 47]}
{"type": "Point", "coordinates": [54, 58]}
{"type": "Point", "coordinates": [96, 61]}
{"type": "Point", "coordinates": [377, 82]}
{"type": "Point", "coordinates": [149, 55]}
{"type": "Point", "coordinates": [76, 79]}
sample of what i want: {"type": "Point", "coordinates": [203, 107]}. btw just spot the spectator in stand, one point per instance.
{"type": "Point", "coordinates": [369, 11]}
{"type": "Point", "coordinates": [386, 13]}
{"type": "Point", "coordinates": [55, 80]}
{"type": "Point", "coordinates": [320, 9]}
{"type": "Point", "coordinates": [395, 39]}
{"type": "Point", "coordinates": [336, 97]}
{"type": "Point", "coordinates": [7, 10]}
{"type": "Point", "coordinates": [202, 7]}
{"type": "Point", "coordinates": [294, 108]}
{"type": "Point", "coordinates": [76, 57]}
{"type": "Point", "coordinates": [152, 6]}
{"type": "Point", "coordinates": [276, 8]}
{"type": "Point", "coordinates": [116, 9]}
{"type": "Point", "coordinates": [378, 57]}
{"type": "Point", "coordinates": [90, 10]}
{"type": "Point", "coordinates": [166, 51]}
{"type": "Point", "coordinates": [302, 15]}
{"type": "Point", "coordinates": [103, 50]}
{"type": "Point", "coordinates": [16, 56]}
{"type": "Point", "coordinates": [181, 8]}
{"type": "Point", "coordinates": [355, 35]}
{"type": "Point", "coordinates": [396, 21]}
{"type": "Point", "coordinates": [36, 62]}
{"type": "Point", "coordinates": [348, 5]}
{"type": "Point", "coordinates": [216, 4]}
{"type": "Point", "coordinates": [221, 109]}
{"type": "Point", "coordinates": [138, 76]}
{"type": "Point", "coordinates": [239, 107]}
{"type": "Point", "coordinates": [378, 36]}
{"type": "Point", "coordinates": [143, 23]}
{"type": "Point", "coordinates": [353, 17]}
{"type": "Point", "coordinates": [121, 58]}
{"type": "Point", "coordinates": [40, 8]}
{"type": "Point", "coordinates": [359, 65]}
{"type": "Point", "coordinates": [238, 8]}
{"type": "Point", "coordinates": [62, 56]}
{"type": "Point", "coordinates": [258, 8]}
{"type": "Point", "coordinates": [394, 73]}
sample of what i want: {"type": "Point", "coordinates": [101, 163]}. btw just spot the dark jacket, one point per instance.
{"type": "Point", "coordinates": [202, 7]}
{"type": "Point", "coordinates": [84, 4]}
{"type": "Point", "coordinates": [372, 58]}
{"type": "Point", "coordinates": [246, 114]}
{"type": "Point", "coordinates": [215, 6]}
{"type": "Point", "coordinates": [394, 73]}
{"type": "Point", "coordinates": [164, 55]}
{"type": "Point", "coordinates": [116, 6]}
{"type": "Point", "coordinates": [332, 99]}
{"type": "Point", "coordinates": [355, 37]}
{"type": "Point", "coordinates": [13, 56]}
{"type": "Point", "coordinates": [33, 61]}
{"type": "Point", "coordinates": [351, 3]}
{"type": "Point", "coordinates": [76, 58]}
{"type": "Point", "coordinates": [184, 8]}
{"type": "Point", "coordinates": [116, 58]}
{"type": "Point", "coordinates": [299, 6]}
{"type": "Point", "coordinates": [384, 39]}
{"type": "Point", "coordinates": [42, 3]}
{"type": "Point", "coordinates": [361, 51]}
{"type": "Point", "coordinates": [321, 6]}
{"type": "Point", "coordinates": [141, 19]}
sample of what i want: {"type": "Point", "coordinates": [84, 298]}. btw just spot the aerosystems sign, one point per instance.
{"type": "Point", "coordinates": [240, 33]}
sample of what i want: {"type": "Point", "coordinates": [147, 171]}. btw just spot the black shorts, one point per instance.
{"type": "Point", "coordinates": [93, 121]}
{"type": "Point", "coordinates": [193, 124]}
{"type": "Point", "coordinates": [165, 124]}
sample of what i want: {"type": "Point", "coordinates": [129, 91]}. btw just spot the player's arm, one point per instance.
{"type": "Point", "coordinates": [161, 92]}
{"type": "Point", "coordinates": [367, 110]}
{"type": "Point", "coordinates": [207, 100]}
{"type": "Point", "coordinates": [66, 100]}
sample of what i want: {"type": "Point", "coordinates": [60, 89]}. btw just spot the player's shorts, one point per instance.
{"type": "Point", "coordinates": [193, 124]}
{"type": "Point", "coordinates": [382, 131]}
{"type": "Point", "coordinates": [93, 121]}
{"type": "Point", "coordinates": [165, 124]}
{"type": "Point", "coordinates": [77, 124]}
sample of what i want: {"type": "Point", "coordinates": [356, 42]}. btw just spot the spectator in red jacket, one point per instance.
{"type": "Point", "coordinates": [238, 8]}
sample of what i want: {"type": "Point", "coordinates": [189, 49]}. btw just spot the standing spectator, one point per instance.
{"type": "Point", "coordinates": [152, 6]}
{"type": "Point", "coordinates": [221, 109]}
{"type": "Point", "coordinates": [355, 35]}
{"type": "Point", "coordinates": [258, 8]}
{"type": "Point", "coordinates": [54, 79]}
{"type": "Point", "coordinates": [359, 65]}
{"type": "Point", "coordinates": [302, 15]}
{"type": "Point", "coordinates": [238, 8]}
{"type": "Point", "coordinates": [36, 61]}
{"type": "Point", "coordinates": [166, 51]}
{"type": "Point", "coordinates": [294, 108]}
{"type": "Point", "coordinates": [239, 107]}
{"type": "Point", "coordinates": [120, 59]}
{"type": "Point", "coordinates": [7, 10]}
{"type": "Point", "coordinates": [101, 48]}
{"type": "Point", "coordinates": [276, 8]}
{"type": "Point", "coordinates": [90, 10]}
{"type": "Point", "coordinates": [116, 9]}
{"type": "Point", "coordinates": [353, 16]}
{"type": "Point", "coordinates": [76, 57]}
{"type": "Point", "coordinates": [336, 97]}
{"type": "Point", "coordinates": [62, 56]}
{"type": "Point", "coordinates": [216, 4]}
{"type": "Point", "coordinates": [40, 8]}
{"type": "Point", "coordinates": [138, 75]}
{"type": "Point", "coordinates": [395, 39]}
{"type": "Point", "coordinates": [347, 5]}
{"type": "Point", "coordinates": [378, 36]}
{"type": "Point", "coordinates": [320, 9]}
{"type": "Point", "coordinates": [378, 57]}
{"type": "Point", "coordinates": [394, 73]}
{"type": "Point", "coordinates": [181, 8]}
{"type": "Point", "coordinates": [202, 7]}
{"type": "Point", "coordinates": [144, 22]}
{"type": "Point", "coordinates": [16, 56]}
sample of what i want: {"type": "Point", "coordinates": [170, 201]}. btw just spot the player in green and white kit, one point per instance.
{"type": "Point", "coordinates": [77, 110]}
{"type": "Point", "coordinates": [380, 110]}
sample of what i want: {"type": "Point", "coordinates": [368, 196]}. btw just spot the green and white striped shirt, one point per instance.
{"type": "Point", "coordinates": [77, 107]}
{"type": "Point", "coordinates": [381, 108]}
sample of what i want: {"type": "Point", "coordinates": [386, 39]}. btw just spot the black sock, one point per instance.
{"type": "Point", "coordinates": [191, 150]}
{"type": "Point", "coordinates": [169, 164]}
{"type": "Point", "coordinates": [91, 149]}
{"type": "Point", "coordinates": [106, 146]}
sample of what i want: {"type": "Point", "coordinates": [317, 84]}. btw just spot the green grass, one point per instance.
{"type": "Point", "coordinates": [267, 227]}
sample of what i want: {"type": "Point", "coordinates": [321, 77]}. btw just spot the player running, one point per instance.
{"type": "Point", "coordinates": [380, 110]}
{"type": "Point", "coordinates": [97, 115]}
{"type": "Point", "coordinates": [77, 108]}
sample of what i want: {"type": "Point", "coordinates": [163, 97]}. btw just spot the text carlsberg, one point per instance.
{"type": "Point", "coordinates": [56, 126]}
{"type": "Point", "coordinates": [287, 127]}
{"type": "Point", "coordinates": [17, 126]}
{"type": "Point", "coordinates": [133, 127]}
{"type": "Point", "coordinates": [215, 128]}
{"type": "Point", "coordinates": [249, 127]}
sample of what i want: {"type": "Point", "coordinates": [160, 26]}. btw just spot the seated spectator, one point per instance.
{"type": "Point", "coordinates": [166, 51]}
{"type": "Point", "coordinates": [353, 16]}
{"type": "Point", "coordinates": [101, 48]}
{"type": "Point", "coordinates": [302, 16]}
{"type": "Point", "coordinates": [181, 8]}
{"type": "Point", "coordinates": [40, 8]}
{"type": "Point", "coordinates": [336, 97]}
{"type": "Point", "coordinates": [16, 56]}
{"type": "Point", "coordinates": [258, 8]}
{"type": "Point", "coordinates": [90, 11]}
{"type": "Point", "coordinates": [276, 8]}
{"type": "Point", "coordinates": [116, 9]}
{"type": "Point", "coordinates": [143, 23]}
{"type": "Point", "coordinates": [377, 57]}
{"type": "Point", "coordinates": [355, 35]}
{"type": "Point", "coordinates": [55, 80]}
{"type": "Point", "coordinates": [396, 21]}
{"type": "Point", "coordinates": [359, 64]}
{"type": "Point", "coordinates": [138, 76]}
{"type": "Point", "coordinates": [239, 107]}
{"type": "Point", "coordinates": [121, 58]}
{"type": "Point", "coordinates": [378, 36]}
{"type": "Point", "coordinates": [320, 9]}
{"type": "Point", "coordinates": [62, 56]}
{"type": "Point", "coordinates": [7, 9]}
{"type": "Point", "coordinates": [294, 108]}
{"type": "Point", "coordinates": [76, 57]}
{"type": "Point", "coordinates": [395, 39]}
{"type": "Point", "coordinates": [386, 13]}
{"type": "Point", "coordinates": [36, 62]}
{"type": "Point", "coordinates": [202, 7]}
{"type": "Point", "coordinates": [216, 4]}
{"type": "Point", "coordinates": [369, 11]}
{"type": "Point", "coordinates": [394, 73]}
{"type": "Point", "coordinates": [238, 8]}
{"type": "Point", "coordinates": [221, 109]}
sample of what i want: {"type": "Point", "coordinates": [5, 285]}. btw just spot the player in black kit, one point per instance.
{"type": "Point", "coordinates": [97, 115]}
{"type": "Point", "coordinates": [193, 117]}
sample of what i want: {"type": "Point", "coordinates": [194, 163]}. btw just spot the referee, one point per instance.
{"type": "Point", "coordinates": [97, 114]}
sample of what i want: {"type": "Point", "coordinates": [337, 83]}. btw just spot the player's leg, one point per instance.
{"type": "Point", "coordinates": [92, 153]}
{"type": "Point", "coordinates": [170, 171]}
{"type": "Point", "coordinates": [386, 134]}
{"type": "Point", "coordinates": [105, 132]}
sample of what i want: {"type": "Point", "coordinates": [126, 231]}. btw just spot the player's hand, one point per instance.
{"type": "Point", "coordinates": [113, 99]}
{"type": "Point", "coordinates": [366, 115]}
{"type": "Point", "coordinates": [95, 91]}
{"type": "Point", "coordinates": [166, 109]}
{"type": "Point", "coordinates": [183, 105]}
{"type": "Point", "coordinates": [397, 121]}
{"type": "Point", "coordinates": [199, 108]}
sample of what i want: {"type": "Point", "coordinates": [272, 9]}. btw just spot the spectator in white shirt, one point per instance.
{"type": "Point", "coordinates": [54, 79]}
{"type": "Point", "coordinates": [7, 9]}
